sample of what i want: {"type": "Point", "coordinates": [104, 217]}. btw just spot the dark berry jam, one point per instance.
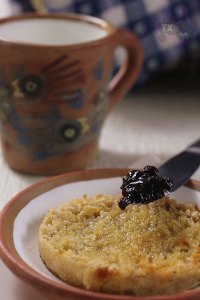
{"type": "Point", "coordinates": [144, 186]}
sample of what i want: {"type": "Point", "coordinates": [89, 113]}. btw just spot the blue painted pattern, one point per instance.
{"type": "Point", "coordinates": [98, 70]}
{"type": "Point", "coordinates": [48, 133]}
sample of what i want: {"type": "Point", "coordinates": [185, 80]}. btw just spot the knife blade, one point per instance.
{"type": "Point", "coordinates": [182, 166]}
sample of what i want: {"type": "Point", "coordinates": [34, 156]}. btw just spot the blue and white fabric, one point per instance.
{"type": "Point", "coordinates": [169, 30]}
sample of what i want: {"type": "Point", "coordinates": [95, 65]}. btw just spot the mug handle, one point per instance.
{"type": "Point", "coordinates": [129, 70]}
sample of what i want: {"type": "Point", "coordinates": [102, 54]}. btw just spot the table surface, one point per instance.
{"type": "Point", "coordinates": [147, 127]}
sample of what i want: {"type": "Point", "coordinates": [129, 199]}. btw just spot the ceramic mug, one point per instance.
{"type": "Point", "coordinates": [56, 88]}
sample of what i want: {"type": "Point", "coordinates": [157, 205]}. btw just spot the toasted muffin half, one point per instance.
{"type": "Point", "coordinates": [143, 250]}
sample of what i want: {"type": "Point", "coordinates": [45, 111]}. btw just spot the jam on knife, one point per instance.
{"type": "Point", "coordinates": [143, 186]}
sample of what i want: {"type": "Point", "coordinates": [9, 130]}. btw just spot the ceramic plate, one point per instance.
{"type": "Point", "coordinates": [22, 216]}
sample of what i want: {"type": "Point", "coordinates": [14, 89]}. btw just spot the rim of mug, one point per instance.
{"type": "Point", "coordinates": [109, 28]}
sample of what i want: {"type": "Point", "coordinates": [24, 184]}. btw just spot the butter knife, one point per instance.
{"type": "Point", "coordinates": [182, 166]}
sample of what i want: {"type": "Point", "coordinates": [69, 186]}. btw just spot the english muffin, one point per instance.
{"type": "Point", "coordinates": [143, 250]}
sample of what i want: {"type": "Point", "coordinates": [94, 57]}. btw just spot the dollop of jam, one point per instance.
{"type": "Point", "coordinates": [143, 186]}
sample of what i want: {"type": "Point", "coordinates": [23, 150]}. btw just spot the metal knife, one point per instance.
{"type": "Point", "coordinates": [181, 167]}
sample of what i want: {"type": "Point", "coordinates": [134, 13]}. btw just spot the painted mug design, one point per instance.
{"type": "Point", "coordinates": [50, 83]}
{"type": "Point", "coordinates": [48, 133]}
